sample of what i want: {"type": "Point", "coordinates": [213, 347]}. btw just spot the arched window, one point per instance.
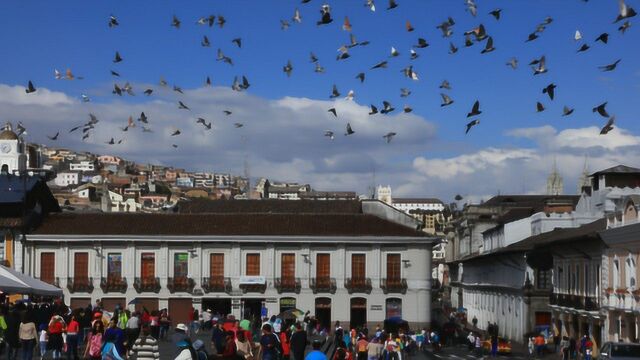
{"type": "Point", "coordinates": [630, 272]}
{"type": "Point", "coordinates": [630, 213]}
{"type": "Point", "coordinates": [616, 272]}
{"type": "Point", "coordinates": [394, 307]}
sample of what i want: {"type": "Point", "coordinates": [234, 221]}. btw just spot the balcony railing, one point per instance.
{"type": "Point", "coordinates": [180, 284]}
{"type": "Point", "coordinates": [358, 285]}
{"type": "Point", "coordinates": [393, 286]}
{"type": "Point", "coordinates": [216, 284]}
{"type": "Point", "coordinates": [323, 285]}
{"type": "Point", "coordinates": [84, 285]}
{"type": "Point", "coordinates": [253, 288]}
{"type": "Point", "coordinates": [575, 301]}
{"type": "Point", "coordinates": [288, 284]}
{"type": "Point", "coordinates": [114, 284]}
{"type": "Point", "coordinates": [150, 284]}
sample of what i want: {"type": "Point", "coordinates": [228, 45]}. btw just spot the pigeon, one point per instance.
{"type": "Point", "coordinates": [201, 121]}
{"type": "Point", "coordinates": [111, 142]}
{"type": "Point", "coordinates": [176, 133]}
{"type": "Point", "coordinates": [126, 128]}
{"type": "Point", "coordinates": [148, 92]}
{"type": "Point", "coordinates": [604, 38]}
{"type": "Point", "coordinates": [20, 129]}
{"type": "Point", "coordinates": [69, 75]}
{"type": "Point", "coordinates": [475, 111]}
{"type": "Point", "coordinates": [610, 67]}
{"type": "Point", "coordinates": [174, 146]}
{"type": "Point", "coordinates": [407, 109]}
{"type": "Point", "coordinates": [238, 125]}
{"type": "Point", "coordinates": [480, 33]}
{"type": "Point", "coordinates": [394, 52]}
{"type": "Point", "coordinates": [175, 22]}
{"type": "Point", "coordinates": [288, 68]}
{"type": "Point", "coordinates": [326, 15]}
{"type": "Point", "coordinates": [446, 100]}
{"type": "Point", "coordinates": [623, 28]}
{"type": "Point", "coordinates": [370, 4]}
{"type": "Point", "coordinates": [471, 124]}
{"type": "Point", "coordinates": [56, 74]}
{"type": "Point", "coordinates": [380, 65]}
{"type": "Point", "coordinates": [625, 12]}
{"type": "Point", "coordinates": [329, 134]}
{"type": "Point", "coordinates": [539, 107]}
{"type": "Point", "coordinates": [222, 57]}
{"type": "Point", "coordinates": [452, 48]}
{"type": "Point", "coordinates": [577, 36]}
{"type": "Point", "coordinates": [422, 43]}
{"type": "Point", "coordinates": [202, 21]}
{"type": "Point", "coordinates": [296, 16]}
{"type": "Point", "coordinates": [181, 105]}
{"type": "Point", "coordinates": [408, 72]}
{"type": "Point", "coordinates": [409, 27]}
{"type": "Point", "coordinates": [350, 95]}
{"type": "Point", "coordinates": [127, 87]}
{"type": "Point", "coordinates": [207, 126]}
{"type": "Point", "coordinates": [360, 76]}
{"type": "Point", "coordinates": [496, 13]}
{"type": "Point", "coordinates": [374, 110]}
{"type": "Point", "coordinates": [583, 48]}
{"type": "Point", "coordinates": [392, 5]}
{"type": "Point", "coordinates": [319, 69]}
{"type": "Point", "coordinates": [388, 136]}
{"type": "Point", "coordinates": [333, 111]}
{"type": "Point", "coordinates": [471, 7]}
{"type": "Point", "coordinates": [404, 92]}
{"type": "Point", "coordinates": [566, 111]}
{"type": "Point", "coordinates": [467, 41]}
{"type": "Point", "coordinates": [163, 82]}
{"type": "Point", "coordinates": [117, 58]}
{"type": "Point", "coordinates": [113, 21]}
{"type": "Point", "coordinates": [313, 58]}
{"type": "Point", "coordinates": [549, 90]}
{"type": "Point", "coordinates": [542, 68]}
{"type": "Point", "coordinates": [92, 119]}
{"type": "Point", "coordinates": [601, 109]}
{"type": "Point", "coordinates": [227, 112]}
{"type": "Point", "coordinates": [344, 53]}
{"type": "Point", "coordinates": [349, 130]}
{"type": "Point", "coordinates": [284, 24]}
{"type": "Point", "coordinates": [608, 126]}
{"type": "Point", "coordinates": [113, 73]}
{"type": "Point", "coordinates": [458, 197]}
{"type": "Point", "coordinates": [386, 108]}
{"type": "Point", "coordinates": [414, 55]}
{"type": "Point", "coordinates": [532, 36]}
{"type": "Point", "coordinates": [54, 137]}
{"type": "Point", "coordinates": [85, 98]}
{"type": "Point", "coordinates": [334, 92]}
{"type": "Point", "coordinates": [237, 41]}
{"type": "Point", "coordinates": [445, 27]}
{"type": "Point", "coordinates": [221, 21]}
{"type": "Point", "coordinates": [513, 63]}
{"type": "Point", "coordinates": [489, 46]}
{"type": "Point", "coordinates": [205, 42]}
{"type": "Point", "coordinates": [207, 81]}
{"type": "Point", "coordinates": [143, 118]}
{"type": "Point", "coordinates": [117, 90]}
{"type": "Point", "coordinates": [346, 26]}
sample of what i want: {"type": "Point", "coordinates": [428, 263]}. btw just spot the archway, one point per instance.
{"type": "Point", "coordinates": [323, 312]}
{"type": "Point", "coordinates": [358, 312]}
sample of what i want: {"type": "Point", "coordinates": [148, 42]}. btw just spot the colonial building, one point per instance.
{"type": "Point", "coordinates": [336, 259]}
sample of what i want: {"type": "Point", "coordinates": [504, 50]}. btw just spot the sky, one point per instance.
{"type": "Point", "coordinates": [512, 150]}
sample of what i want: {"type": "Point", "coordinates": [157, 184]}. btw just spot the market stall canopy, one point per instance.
{"type": "Point", "coordinates": [12, 281]}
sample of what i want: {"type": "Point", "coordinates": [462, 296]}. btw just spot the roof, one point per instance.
{"type": "Point", "coordinates": [223, 224]}
{"type": "Point", "coordinates": [621, 235]}
{"type": "Point", "coordinates": [8, 135]}
{"type": "Point", "coordinates": [515, 214]}
{"type": "Point", "coordinates": [269, 206]}
{"type": "Point", "coordinates": [537, 202]}
{"type": "Point", "coordinates": [416, 200]}
{"type": "Point", "coordinates": [618, 169]}
{"type": "Point", "coordinates": [560, 235]}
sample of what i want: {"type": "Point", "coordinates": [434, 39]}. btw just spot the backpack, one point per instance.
{"type": "Point", "coordinates": [95, 345]}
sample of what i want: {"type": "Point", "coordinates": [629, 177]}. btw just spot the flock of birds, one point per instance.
{"type": "Point", "coordinates": [241, 83]}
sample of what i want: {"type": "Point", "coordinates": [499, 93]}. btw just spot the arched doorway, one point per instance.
{"type": "Point", "coordinates": [323, 312]}
{"type": "Point", "coordinates": [393, 308]}
{"type": "Point", "coordinates": [358, 312]}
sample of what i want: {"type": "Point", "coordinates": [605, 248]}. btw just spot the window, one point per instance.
{"type": "Point", "coordinates": [560, 277]}
{"type": "Point", "coordinates": [216, 266]}
{"type": "Point", "coordinates": [630, 272]}
{"type": "Point", "coordinates": [47, 267]}
{"type": "Point", "coordinates": [393, 267]}
{"type": "Point", "coordinates": [323, 270]}
{"type": "Point", "coordinates": [148, 266]}
{"type": "Point", "coordinates": [180, 265]}
{"type": "Point", "coordinates": [543, 279]}
{"type": "Point", "coordinates": [81, 267]}
{"type": "Point", "coordinates": [288, 266]}
{"type": "Point", "coordinates": [587, 280]}
{"type": "Point", "coordinates": [253, 265]}
{"type": "Point", "coordinates": [114, 266]}
{"type": "Point", "coordinates": [616, 273]}
{"type": "Point", "coordinates": [394, 308]}
{"type": "Point", "coordinates": [358, 267]}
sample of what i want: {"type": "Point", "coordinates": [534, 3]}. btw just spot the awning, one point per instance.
{"type": "Point", "coordinates": [15, 282]}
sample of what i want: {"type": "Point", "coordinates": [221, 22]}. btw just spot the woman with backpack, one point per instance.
{"type": "Point", "coordinates": [56, 343]}
{"type": "Point", "coordinates": [109, 348]}
{"type": "Point", "coordinates": [93, 350]}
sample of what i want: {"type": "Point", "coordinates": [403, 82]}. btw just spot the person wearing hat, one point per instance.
{"type": "Point", "coordinates": [180, 334]}
{"type": "Point", "coordinates": [198, 346]}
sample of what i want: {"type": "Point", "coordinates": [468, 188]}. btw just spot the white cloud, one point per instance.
{"type": "Point", "coordinates": [582, 138]}
{"type": "Point", "coordinates": [15, 95]}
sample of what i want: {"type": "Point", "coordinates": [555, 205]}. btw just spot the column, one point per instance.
{"type": "Point", "coordinates": [163, 264]}
{"type": "Point", "coordinates": [196, 269]}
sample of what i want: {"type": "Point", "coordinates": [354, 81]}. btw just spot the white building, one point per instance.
{"type": "Point", "coordinates": [82, 166]}
{"type": "Point", "coordinates": [65, 179]}
{"type": "Point", "coordinates": [351, 267]}
{"type": "Point", "coordinates": [12, 151]}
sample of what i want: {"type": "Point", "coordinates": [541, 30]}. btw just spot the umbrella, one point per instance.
{"type": "Point", "coordinates": [291, 313]}
{"type": "Point", "coordinates": [134, 301]}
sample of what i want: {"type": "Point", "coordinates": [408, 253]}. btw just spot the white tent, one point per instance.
{"type": "Point", "coordinates": [14, 282]}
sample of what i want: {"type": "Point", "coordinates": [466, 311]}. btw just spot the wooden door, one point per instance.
{"type": "Point", "coordinates": [216, 266]}
{"type": "Point", "coordinates": [81, 268]}
{"type": "Point", "coordinates": [393, 268]}
{"type": "Point", "coordinates": [179, 309]}
{"type": "Point", "coordinates": [148, 266]}
{"type": "Point", "coordinates": [288, 268]}
{"type": "Point", "coordinates": [358, 268]}
{"type": "Point", "coordinates": [110, 304]}
{"type": "Point", "coordinates": [47, 267]}
{"type": "Point", "coordinates": [253, 265]}
{"type": "Point", "coordinates": [150, 304]}
{"type": "Point", "coordinates": [323, 269]}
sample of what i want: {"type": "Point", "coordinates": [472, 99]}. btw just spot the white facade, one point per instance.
{"type": "Point", "coordinates": [82, 166]}
{"type": "Point", "coordinates": [12, 152]}
{"type": "Point", "coordinates": [67, 178]}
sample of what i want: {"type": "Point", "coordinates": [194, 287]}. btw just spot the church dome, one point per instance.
{"type": "Point", "coordinates": [8, 135]}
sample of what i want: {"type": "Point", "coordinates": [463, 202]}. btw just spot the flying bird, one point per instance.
{"type": "Point", "coordinates": [550, 90]}
{"type": "Point", "coordinates": [370, 4]}
{"type": "Point", "coordinates": [386, 107]}
{"type": "Point", "coordinates": [346, 26]}
{"type": "Point", "coordinates": [604, 38]}
{"type": "Point", "coordinates": [238, 42]}
{"type": "Point", "coordinates": [392, 5]}
{"type": "Point", "coordinates": [608, 126]}
{"type": "Point", "coordinates": [388, 136]}
{"type": "Point", "coordinates": [513, 63]}
{"type": "Point", "coordinates": [475, 110]}
{"type": "Point", "coordinates": [54, 137]}
{"type": "Point", "coordinates": [496, 13]}
{"type": "Point", "coordinates": [30, 88]}
{"type": "Point", "coordinates": [223, 57]}
{"type": "Point", "coordinates": [111, 142]}
{"type": "Point", "coordinates": [325, 10]}
{"type": "Point", "coordinates": [394, 52]}
{"type": "Point", "coordinates": [227, 112]}
{"type": "Point", "coordinates": [333, 111]}
{"type": "Point", "coordinates": [113, 73]}
{"type": "Point", "coordinates": [334, 92]}
{"type": "Point", "coordinates": [181, 105]}
{"type": "Point", "coordinates": [176, 132]}
{"type": "Point", "coordinates": [489, 46]}
{"type": "Point", "coordinates": [319, 69]}
{"type": "Point", "coordinates": [539, 107]}
{"type": "Point", "coordinates": [625, 12]}
{"type": "Point", "coordinates": [313, 58]}
{"type": "Point", "coordinates": [623, 28]}
{"type": "Point", "coordinates": [446, 100]}
{"type": "Point", "coordinates": [360, 76]}
{"type": "Point", "coordinates": [452, 48]}
{"type": "Point", "coordinates": [288, 68]}
{"type": "Point", "coordinates": [583, 48]}
{"type": "Point", "coordinates": [284, 24]}
{"type": "Point", "coordinates": [349, 130]}
{"type": "Point", "coordinates": [601, 109]}
{"type": "Point", "coordinates": [409, 27]}
{"type": "Point", "coordinates": [238, 125]}
{"type": "Point", "coordinates": [480, 33]}
{"type": "Point", "coordinates": [350, 95]}
{"type": "Point", "coordinates": [471, 124]}
{"type": "Point", "coordinates": [380, 65]}
{"type": "Point", "coordinates": [143, 118]}
{"type": "Point", "coordinates": [566, 111]}
{"type": "Point", "coordinates": [329, 134]}
{"type": "Point", "coordinates": [422, 43]}
{"type": "Point", "coordinates": [175, 22]}
{"type": "Point", "coordinates": [85, 98]}
{"type": "Point", "coordinates": [374, 110]}
{"type": "Point", "coordinates": [404, 92]}
{"type": "Point", "coordinates": [221, 21]}
{"type": "Point", "coordinates": [610, 67]}
{"type": "Point", "coordinates": [205, 41]}
{"type": "Point", "coordinates": [117, 90]}
{"type": "Point", "coordinates": [577, 36]}
{"type": "Point", "coordinates": [148, 92]}
{"type": "Point", "coordinates": [414, 55]}
{"type": "Point", "coordinates": [407, 109]}
{"type": "Point", "coordinates": [207, 81]}
{"type": "Point", "coordinates": [113, 21]}
{"type": "Point", "coordinates": [296, 16]}
{"type": "Point", "coordinates": [117, 58]}
{"type": "Point", "coordinates": [541, 68]}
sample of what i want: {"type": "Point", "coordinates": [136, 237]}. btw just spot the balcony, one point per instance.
{"type": "Point", "coordinates": [397, 286]}
{"type": "Point", "coordinates": [112, 284]}
{"type": "Point", "coordinates": [181, 284]}
{"type": "Point", "coordinates": [83, 285]}
{"type": "Point", "coordinates": [150, 284]}
{"type": "Point", "coordinates": [323, 285]}
{"type": "Point", "coordinates": [577, 302]}
{"type": "Point", "coordinates": [358, 285]}
{"type": "Point", "coordinates": [253, 288]}
{"type": "Point", "coordinates": [216, 284]}
{"type": "Point", "coordinates": [288, 284]}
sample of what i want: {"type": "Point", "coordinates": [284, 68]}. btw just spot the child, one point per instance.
{"type": "Point", "coordinates": [43, 340]}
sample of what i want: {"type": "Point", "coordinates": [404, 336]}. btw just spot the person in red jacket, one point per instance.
{"type": "Point", "coordinates": [285, 336]}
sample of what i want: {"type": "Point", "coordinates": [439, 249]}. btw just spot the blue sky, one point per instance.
{"type": "Point", "coordinates": [42, 35]}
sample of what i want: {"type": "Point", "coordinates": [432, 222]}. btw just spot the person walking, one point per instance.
{"type": "Point", "coordinates": [116, 333]}
{"type": "Point", "coordinates": [145, 347]}
{"type": "Point", "coordinates": [244, 345]}
{"type": "Point", "coordinates": [374, 349]}
{"type": "Point", "coordinates": [110, 347]}
{"type": "Point", "coordinates": [298, 342]}
{"type": "Point", "coordinates": [478, 345]}
{"type": "Point", "coordinates": [494, 346]}
{"type": "Point", "coordinates": [531, 346]}
{"type": "Point", "coordinates": [42, 340]}
{"type": "Point", "coordinates": [540, 345]}
{"type": "Point", "coordinates": [132, 331]}
{"type": "Point", "coordinates": [27, 334]}
{"type": "Point", "coordinates": [316, 354]}
{"type": "Point", "coordinates": [361, 347]}
{"type": "Point", "coordinates": [471, 341]}
{"type": "Point", "coordinates": [165, 324]}
{"type": "Point", "coordinates": [73, 330]}
{"type": "Point", "coordinates": [55, 342]}
{"type": "Point", "coordinates": [93, 349]}
{"type": "Point", "coordinates": [564, 348]}
{"type": "Point", "coordinates": [269, 344]}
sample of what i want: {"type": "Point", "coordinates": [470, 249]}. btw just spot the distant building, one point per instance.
{"type": "Point", "coordinates": [555, 186]}
{"type": "Point", "coordinates": [64, 179]}
{"type": "Point", "coordinates": [82, 166]}
{"type": "Point", "coordinates": [13, 157]}
{"type": "Point", "coordinates": [430, 211]}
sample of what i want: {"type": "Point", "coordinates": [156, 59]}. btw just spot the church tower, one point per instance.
{"type": "Point", "coordinates": [12, 151]}
{"type": "Point", "coordinates": [383, 194]}
{"type": "Point", "coordinates": [584, 181]}
{"type": "Point", "coordinates": [555, 185]}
